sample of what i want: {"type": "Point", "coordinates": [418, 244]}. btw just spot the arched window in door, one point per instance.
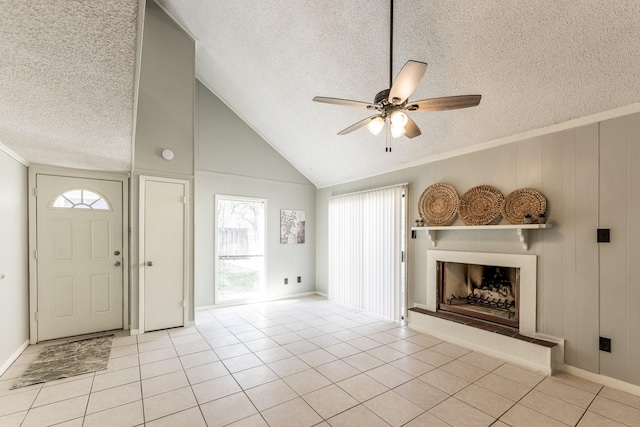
{"type": "Point", "coordinates": [81, 199]}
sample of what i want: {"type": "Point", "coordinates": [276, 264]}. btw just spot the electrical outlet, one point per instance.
{"type": "Point", "coordinates": [605, 344]}
{"type": "Point", "coordinates": [286, 281]}
{"type": "Point", "coordinates": [299, 279]}
{"type": "Point", "coordinates": [604, 235]}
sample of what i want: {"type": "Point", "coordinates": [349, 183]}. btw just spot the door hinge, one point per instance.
{"type": "Point", "coordinates": [402, 256]}
{"type": "Point", "coordinates": [184, 200]}
{"type": "Point", "coordinates": [35, 191]}
{"type": "Point", "coordinates": [35, 254]}
{"type": "Point", "coordinates": [184, 304]}
{"type": "Point", "coordinates": [37, 315]}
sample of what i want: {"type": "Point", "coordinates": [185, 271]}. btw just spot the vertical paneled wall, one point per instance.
{"type": "Point", "coordinates": [619, 259]}
{"type": "Point", "coordinates": [591, 178]}
{"type": "Point", "coordinates": [633, 252]}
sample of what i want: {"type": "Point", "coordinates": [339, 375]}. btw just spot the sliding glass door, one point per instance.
{"type": "Point", "coordinates": [367, 240]}
{"type": "Point", "coordinates": [240, 248]}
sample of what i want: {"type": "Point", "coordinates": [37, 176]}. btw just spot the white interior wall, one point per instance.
{"type": "Point", "coordinates": [165, 120]}
{"type": "Point", "coordinates": [234, 160]}
{"type": "Point", "coordinates": [589, 175]}
{"type": "Point", "coordinates": [283, 261]}
{"type": "Point", "coordinates": [14, 283]}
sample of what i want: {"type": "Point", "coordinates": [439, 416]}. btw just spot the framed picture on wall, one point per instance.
{"type": "Point", "coordinates": [291, 227]}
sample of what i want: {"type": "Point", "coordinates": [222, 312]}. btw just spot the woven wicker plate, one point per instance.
{"type": "Point", "coordinates": [481, 205]}
{"type": "Point", "coordinates": [523, 201]}
{"type": "Point", "coordinates": [438, 204]}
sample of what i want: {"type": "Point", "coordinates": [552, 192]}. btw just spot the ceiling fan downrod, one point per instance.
{"type": "Point", "coordinates": [390, 46]}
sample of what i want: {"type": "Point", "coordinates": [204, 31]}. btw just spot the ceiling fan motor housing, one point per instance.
{"type": "Point", "coordinates": [382, 97]}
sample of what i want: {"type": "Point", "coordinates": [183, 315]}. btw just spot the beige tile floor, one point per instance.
{"type": "Point", "coordinates": [306, 362]}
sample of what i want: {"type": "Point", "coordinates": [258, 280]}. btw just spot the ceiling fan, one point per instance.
{"type": "Point", "coordinates": [392, 103]}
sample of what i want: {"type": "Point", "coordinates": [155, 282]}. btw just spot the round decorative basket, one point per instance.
{"type": "Point", "coordinates": [481, 205]}
{"type": "Point", "coordinates": [438, 204]}
{"type": "Point", "coordinates": [521, 202]}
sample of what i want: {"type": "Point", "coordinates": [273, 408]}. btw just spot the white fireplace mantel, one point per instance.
{"type": "Point", "coordinates": [521, 229]}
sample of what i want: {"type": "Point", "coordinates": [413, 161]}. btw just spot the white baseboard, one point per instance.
{"type": "Point", "coordinates": [13, 357]}
{"type": "Point", "coordinates": [322, 294]}
{"type": "Point", "coordinates": [190, 323]}
{"type": "Point", "coordinates": [600, 379]}
{"type": "Point", "coordinates": [257, 301]}
{"type": "Point", "coordinates": [134, 332]}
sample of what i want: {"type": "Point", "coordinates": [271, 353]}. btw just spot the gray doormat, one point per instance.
{"type": "Point", "coordinates": [67, 360]}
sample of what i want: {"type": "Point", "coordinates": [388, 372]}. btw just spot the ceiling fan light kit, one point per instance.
{"type": "Point", "coordinates": [397, 131]}
{"type": "Point", "coordinates": [392, 103]}
{"type": "Point", "coordinates": [375, 125]}
{"type": "Point", "coordinates": [399, 119]}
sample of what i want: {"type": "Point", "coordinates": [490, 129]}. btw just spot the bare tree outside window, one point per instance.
{"type": "Point", "coordinates": [240, 247]}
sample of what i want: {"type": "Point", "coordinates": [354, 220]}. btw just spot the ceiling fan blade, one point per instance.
{"type": "Point", "coordinates": [446, 103]}
{"type": "Point", "coordinates": [356, 126]}
{"type": "Point", "coordinates": [346, 102]}
{"type": "Point", "coordinates": [411, 129]}
{"type": "Point", "coordinates": [407, 81]}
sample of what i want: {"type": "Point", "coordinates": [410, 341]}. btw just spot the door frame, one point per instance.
{"type": "Point", "coordinates": [263, 285]}
{"type": "Point", "coordinates": [34, 171]}
{"type": "Point", "coordinates": [141, 248]}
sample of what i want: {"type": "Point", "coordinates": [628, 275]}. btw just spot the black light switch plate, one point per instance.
{"type": "Point", "coordinates": [604, 235]}
{"type": "Point", "coordinates": [605, 344]}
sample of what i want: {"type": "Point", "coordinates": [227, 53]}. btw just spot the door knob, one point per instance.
{"type": "Point", "coordinates": [150, 263]}
{"type": "Point", "coordinates": [116, 253]}
{"type": "Point", "coordinates": [117, 263]}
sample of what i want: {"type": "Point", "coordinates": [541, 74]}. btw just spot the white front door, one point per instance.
{"type": "Point", "coordinates": [79, 256]}
{"type": "Point", "coordinates": [163, 252]}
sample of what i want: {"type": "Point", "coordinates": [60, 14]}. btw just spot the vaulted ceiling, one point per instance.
{"type": "Point", "coordinates": [66, 77]}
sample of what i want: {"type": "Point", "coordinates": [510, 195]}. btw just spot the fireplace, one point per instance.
{"type": "Point", "coordinates": [524, 346]}
{"type": "Point", "coordinates": [494, 287]}
{"type": "Point", "coordinates": [485, 292]}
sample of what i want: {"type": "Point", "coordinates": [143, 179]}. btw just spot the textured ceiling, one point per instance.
{"type": "Point", "coordinates": [535, 63]}
{"type": "Point", "coordinates": [67, 73]}
{"type": "Point", "coordinates": [66, 81]}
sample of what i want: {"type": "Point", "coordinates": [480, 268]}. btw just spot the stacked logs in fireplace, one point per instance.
{"type": "Point", "coordinates": [492, 289]}
{"type": "Point", "coordinates": [497, 303]}
{"type": "Point", "coordinates": [494, 292]}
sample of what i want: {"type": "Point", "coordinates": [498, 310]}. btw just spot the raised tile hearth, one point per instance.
{"type": "Point", "coordinates": [493, 340]}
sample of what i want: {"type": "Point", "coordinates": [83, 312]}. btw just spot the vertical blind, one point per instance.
{"type": "Point", "coordinates": [366, 238]}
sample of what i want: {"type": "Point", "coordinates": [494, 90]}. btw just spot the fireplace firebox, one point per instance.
{"type": "Point", "coordinates": [485, 292]}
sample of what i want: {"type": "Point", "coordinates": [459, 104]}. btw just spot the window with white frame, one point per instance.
{"type": "Point", "coordinates": [81, 199]}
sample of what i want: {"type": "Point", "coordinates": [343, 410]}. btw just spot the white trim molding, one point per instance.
{"type": "Point", "coordinates": [13, 357]}
{"type": "Point", "coordinates": [600, 379]}
{"type": "Point", "coordinates": [257, 301]}
{"type": "Point", "coordinates": [14, 155]}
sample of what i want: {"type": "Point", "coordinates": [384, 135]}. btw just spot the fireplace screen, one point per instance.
{"type": "Point", "coordinates": [485, 292]}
